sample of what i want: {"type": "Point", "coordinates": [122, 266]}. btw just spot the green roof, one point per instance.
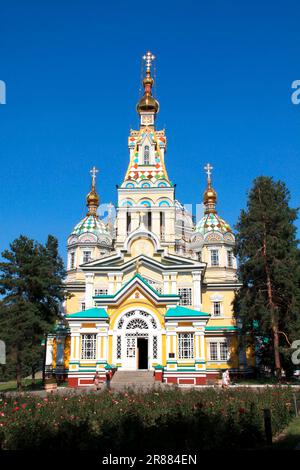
{"type": "Point", "coordinates": [179, 311]}
{"type": "Point", "coordinates": [89, 313]}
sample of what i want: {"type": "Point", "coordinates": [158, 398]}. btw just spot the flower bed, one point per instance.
{"type": "Point", "coordinates": [168, 420]}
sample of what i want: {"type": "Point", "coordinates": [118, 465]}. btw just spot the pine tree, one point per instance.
{"type": "Point", "coordinates": [269, 301]}
{"type": "Point", "coordinates": [31, 282]}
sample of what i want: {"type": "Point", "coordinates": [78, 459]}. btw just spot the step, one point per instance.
{"type": "Point", "coordinates": [133, 378]}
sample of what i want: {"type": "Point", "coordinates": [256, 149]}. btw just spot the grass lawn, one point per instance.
{"type": "Point", "coordinates": [290, 438]}
{"type": "Point", "coordinates": [11, 385]}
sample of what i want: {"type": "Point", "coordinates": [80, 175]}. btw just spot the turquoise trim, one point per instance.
{"type": "Point", "coordinates": [221, 328]}
{"type": "Point", "coordinates": [180, 311]}
{"type": "Point", "coordinates": [125, 285]}
{"type": "Point", "coordinates": [95, 312]}
{"type": "Point", "coordinates": [127, 204]}
{"type": "Point", "coordinates": [164, 203]}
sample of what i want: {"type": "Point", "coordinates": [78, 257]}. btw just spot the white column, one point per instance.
{"type": "Point", "coordinates": [111, 279]}
{"type": "Point", "coordinates": [121, 224]}
{"type": "Point", "coordinates": [200, 344]}
{"type": "Point", "coordinates": [105, 340]}
{"type": "Point", "coordinates": [197, 289]}
{"type": "Point", "coordinates": [173, 282]}
{"type": "Point", "coordinates": [166, 283]}
{"type": "Point", "coordinates": [119, 277]}
{"type": "Point", "coordinates": [156, 223]}
{"type": "Point", "coordinates": [49, 351]}
{"type": "Point", "coordinates": [98, 347]}
{"type": "Point", "coordinates": [89, 290]}
{"type": "Point", "coordinates": [78, 348]}
{"type": "Point", "coordinates": [135, 220]}
{"type": "Point", "coordinates": [75, 340]}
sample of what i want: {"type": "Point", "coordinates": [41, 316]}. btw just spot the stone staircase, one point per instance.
{"type": "Point", "coordinates": [138, 379]}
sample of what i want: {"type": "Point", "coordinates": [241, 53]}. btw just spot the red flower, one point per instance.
{"type": "Point", "coordinates": [16, 408]}
{"type": "Point", "coordinates": [242, 410]}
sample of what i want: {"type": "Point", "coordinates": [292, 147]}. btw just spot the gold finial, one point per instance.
{"type": "Point", "coordinates": [210, 195]}
{"type": "Point", "coordinates": [92, 199]}
{"type": "Point", "coordinates": [147, 103]}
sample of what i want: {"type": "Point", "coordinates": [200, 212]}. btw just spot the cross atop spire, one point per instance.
{"type": "Point", "coordinates": [92, 199]}
{"type": "Point", "coordinates": [94, 172]}
{"type": "Point", "coordinates": [208, 170]}
{"type": "Point", "coordinates": [210, 195]}
{"type": "Point", "coordinates": [148, 58]}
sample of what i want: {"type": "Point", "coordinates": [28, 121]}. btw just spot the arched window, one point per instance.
{"type": "Point", "coordinates": [146, 155]}
{"type": "Point", "coordinates": [137, 323]}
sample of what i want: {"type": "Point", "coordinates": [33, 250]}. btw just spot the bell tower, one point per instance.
{"type": "Point", "coordinates": [146, 188]}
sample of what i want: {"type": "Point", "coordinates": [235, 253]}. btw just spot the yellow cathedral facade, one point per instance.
{"type": "Point", "coordinates": [153, 289]}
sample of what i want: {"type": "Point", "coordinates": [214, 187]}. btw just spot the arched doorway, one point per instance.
{"type": "Point", "coordinates": [137, 340]}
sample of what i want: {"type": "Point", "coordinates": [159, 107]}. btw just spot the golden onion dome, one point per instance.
{"type": "Point", "coordinates": [210, 196]}
{"type": "Point", "coordinates": [92, 198]}
{"type": "Point", "coordinates": [147, 103]}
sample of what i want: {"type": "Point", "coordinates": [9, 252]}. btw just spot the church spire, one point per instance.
{"type": "Point", "coordinates": [210, 195]}
{"type": "Point", "coordinates": [148, 106]}
{"type": "Point", "coordinates": [92, 199]}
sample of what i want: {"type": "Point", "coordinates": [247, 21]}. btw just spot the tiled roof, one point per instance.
{"type": "Point", "coordinates": [90, 224]}
{"type": "Point", "coordinates": [212, 223]}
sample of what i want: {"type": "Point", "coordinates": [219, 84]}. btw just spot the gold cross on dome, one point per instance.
{"type": "Point", "coordinates": [94, 172]}
{"type": "Point", "coordinates": [208, 169]}
{"type": "Point", "coordinates": [148, 58]}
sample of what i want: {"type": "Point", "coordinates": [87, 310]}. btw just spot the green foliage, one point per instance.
{"type": "Point", "coordinates": [156, 421]}
{"type": "Point", "coordinates": [31, 282]}
{"type": "Point", "coordinates": [269, 301]}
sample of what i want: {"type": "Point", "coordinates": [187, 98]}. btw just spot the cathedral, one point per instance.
{"type": "Point", "coordinates": [152, 288]}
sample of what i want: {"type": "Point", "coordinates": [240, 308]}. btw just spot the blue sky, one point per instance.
{"type": "Point", "coordinates": [72, 69]}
